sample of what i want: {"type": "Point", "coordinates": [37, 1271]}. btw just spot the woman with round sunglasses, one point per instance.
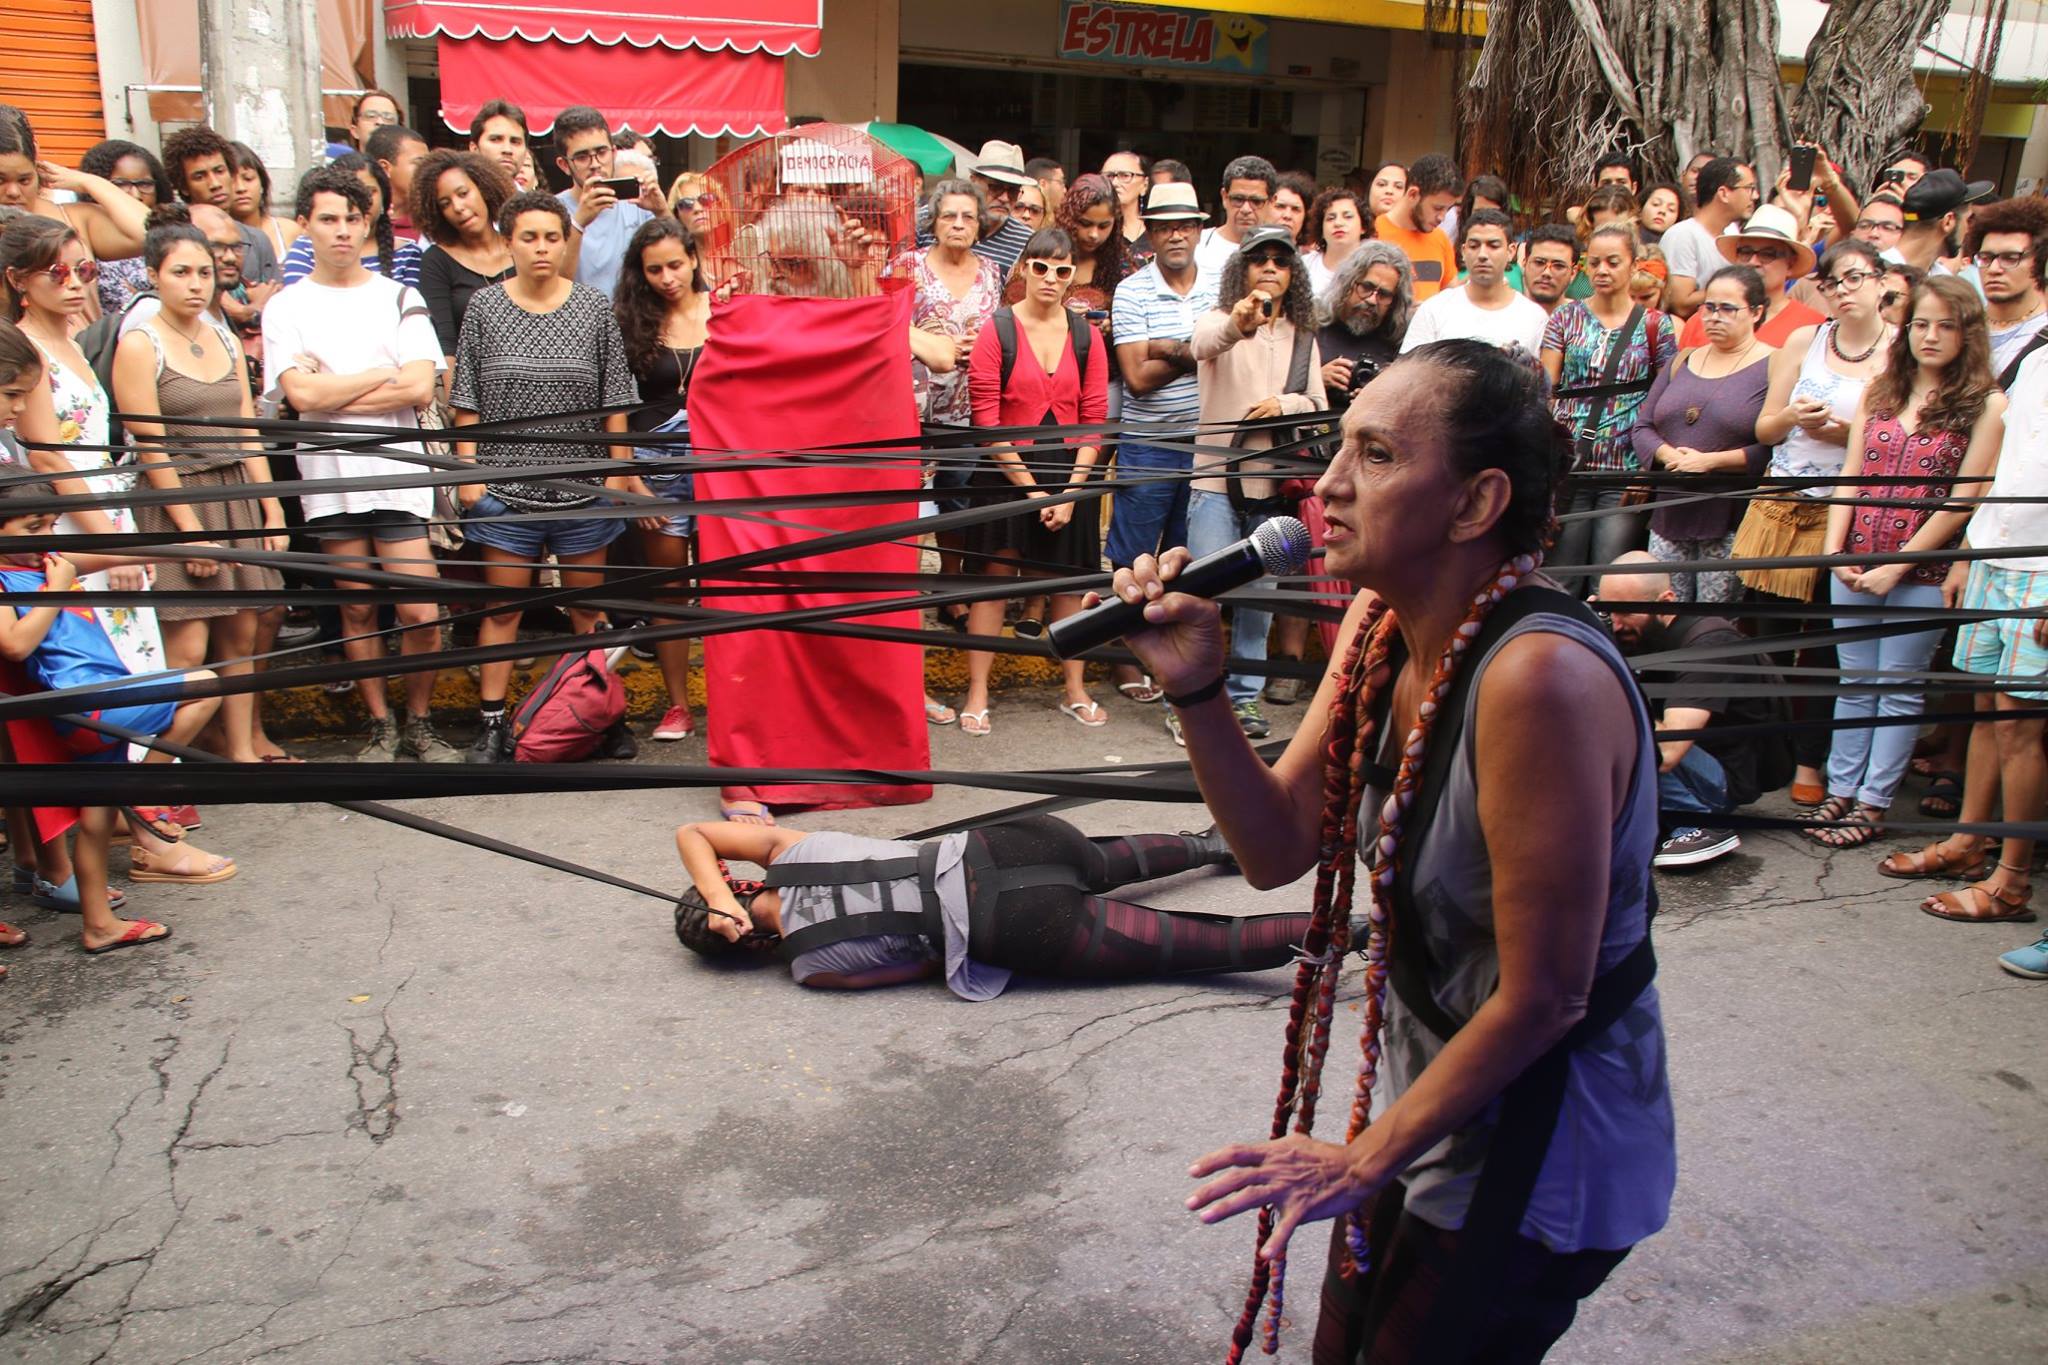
{"type": "Point", "coordinates": [1048, 383]}
{"type": "Point", "coordinates": [48, 278]}
{"type": "Point", "coordinates": [1817, 379]}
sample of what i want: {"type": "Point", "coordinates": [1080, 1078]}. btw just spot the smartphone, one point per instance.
{"type": "Point", "coordinates": [1802, 168]}
{"type": "Point", "coordinates": [626, 188]}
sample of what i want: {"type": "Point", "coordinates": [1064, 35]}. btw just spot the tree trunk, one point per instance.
{"type": "Point", "coordinates": [1859, 100]}
{"type": "Point", "coordinates": [1561, 83]}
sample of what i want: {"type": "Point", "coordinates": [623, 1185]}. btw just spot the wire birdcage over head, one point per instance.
{"type": "Point", "coordinates": [816, 212]}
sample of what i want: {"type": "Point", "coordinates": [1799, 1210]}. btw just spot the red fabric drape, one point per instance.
{"type": "Point", "coordinates": [31, 740]}
{"type": "Point", "coordinates": [788, 374]}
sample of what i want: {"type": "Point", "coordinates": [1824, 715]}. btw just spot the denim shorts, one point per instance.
{"type": "Point", "coordinates": [681, 487]}
{"type": "Point", "coordinates": [568, 537]}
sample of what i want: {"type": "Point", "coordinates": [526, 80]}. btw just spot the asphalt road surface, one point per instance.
{"type": "Point", "coordinates": [385, 1098]}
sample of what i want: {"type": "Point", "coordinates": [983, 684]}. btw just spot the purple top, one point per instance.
{"type": "Point", "coordinates": [1705, 414]}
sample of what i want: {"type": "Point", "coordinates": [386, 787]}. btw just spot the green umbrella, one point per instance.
{"type": "Point", "coordinates": [932, 156]}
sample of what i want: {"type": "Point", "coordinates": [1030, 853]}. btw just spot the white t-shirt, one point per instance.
{"type": "Point", "coordinates": [1452, 314]}
{"type": "Point", "coordinates": [363, 327]}
{"type": "Point", "coordinates": [1690, 250]}
{"type": "Point", "coordinates": [2022, 473]}
{"type": "Point", "coordinates": [1214, 251]}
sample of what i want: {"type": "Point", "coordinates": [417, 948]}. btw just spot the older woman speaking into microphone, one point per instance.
{"type": "Point", "coordinates": [1520, 1140]}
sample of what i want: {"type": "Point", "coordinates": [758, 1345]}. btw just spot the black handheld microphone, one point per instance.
{"type": "Point", "coordinates": [1279, 546]}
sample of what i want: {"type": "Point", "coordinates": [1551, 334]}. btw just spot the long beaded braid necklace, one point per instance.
{"type": "Point", "coordinates": [1354, 723]}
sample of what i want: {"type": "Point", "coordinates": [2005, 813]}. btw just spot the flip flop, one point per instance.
{"type": "Point", "coordinates": [11, 937]}
{"type": "Point", "coordinates": [134, 936]}
{"type": "Point", "coordinates": [974, 723]}
{"type": "Point", "coordinates": [280, 758]}
{"type": "Point", "coordinates": [938, 713]}
{"type": "Point", "coordinates": [64, 899]}
{"type": "Point", "coordinates": [1081, 711]}
{"type": "Point", "coordinates": [746, 812]}
{"type": "Point", "coordinates": [218, 869]}
{"type": "Point", "coordinates": [1144, 691]}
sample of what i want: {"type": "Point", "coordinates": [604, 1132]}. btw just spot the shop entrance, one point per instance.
{"type": "Point", "coordinates": [1081, 119]}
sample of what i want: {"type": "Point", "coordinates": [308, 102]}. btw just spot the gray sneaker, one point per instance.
{"type": "Point", "coordinates": [383, 743]}
{"type": "Point", "coordinates": [422, 745]}
{"type": "Point", "coordinates": [1251, 720]}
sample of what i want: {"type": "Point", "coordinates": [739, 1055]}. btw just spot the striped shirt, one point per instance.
{"type": "Point", "coordinates": [405, 261]}
{"type": "Point", "coordinates": [1146, 309]}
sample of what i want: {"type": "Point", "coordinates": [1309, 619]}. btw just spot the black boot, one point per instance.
{"type": "Point", "coordinates": [493, 743]}
{"type": "Point", "coordinates": [1210, 849]}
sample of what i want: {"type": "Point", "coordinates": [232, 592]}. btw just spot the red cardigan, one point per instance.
{"type": "Point", "coordinates": [1032, 392]}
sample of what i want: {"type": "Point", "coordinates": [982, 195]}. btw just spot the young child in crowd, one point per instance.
{"type": "Point", "coordinates": [61, 647]}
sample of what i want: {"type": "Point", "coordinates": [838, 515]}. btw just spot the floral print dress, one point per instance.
{"type": "Point", "coordinates": [942, 398]}
{"type": "Point", "coordinates": [82, 412]}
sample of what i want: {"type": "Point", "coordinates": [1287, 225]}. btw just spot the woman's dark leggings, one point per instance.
{"type": "Point", "coordinates": [1075, 930]}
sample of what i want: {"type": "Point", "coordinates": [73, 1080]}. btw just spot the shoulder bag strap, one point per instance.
{"type": "Point", "coordinates": [1006, 337]}
{"type": "Point", "coordinates": [2011, 372]}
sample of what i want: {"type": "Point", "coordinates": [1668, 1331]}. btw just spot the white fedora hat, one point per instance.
{"type": "Point", "coordinates": [1773, 226]}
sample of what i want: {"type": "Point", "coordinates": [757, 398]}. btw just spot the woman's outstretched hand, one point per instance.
{"type": "Point", "coordinates": [1304, 1179]}
{"type": "Point", "coordinates": [1182, 645]}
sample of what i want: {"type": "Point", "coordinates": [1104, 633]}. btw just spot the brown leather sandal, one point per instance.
{"type": "Point", "coordinates": [1935, 860]}
{"type": "Point", "coordinates": [1973, 904]}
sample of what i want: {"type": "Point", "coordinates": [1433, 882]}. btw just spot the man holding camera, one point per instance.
{"type": "Point", "coordinates": [1368, 303]}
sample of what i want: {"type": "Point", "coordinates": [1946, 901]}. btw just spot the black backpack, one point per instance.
{"type": "Point", "coordinates": [1078, 327]}
{"type": "Point", "coordinates": [99, 340]}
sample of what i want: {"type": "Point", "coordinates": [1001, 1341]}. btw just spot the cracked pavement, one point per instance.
{"type": "Point", "coordinates": [389, 1098]}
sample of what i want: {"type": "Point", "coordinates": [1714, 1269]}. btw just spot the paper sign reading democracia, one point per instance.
{"type": "Point", "coordinates": [807, 161]}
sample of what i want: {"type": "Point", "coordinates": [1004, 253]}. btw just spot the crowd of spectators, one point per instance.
{"type": "Point", "coordinates": [1698, 336]}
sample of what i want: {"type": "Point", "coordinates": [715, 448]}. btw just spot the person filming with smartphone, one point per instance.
{"type": "Point", "coordinates": [605, 210]}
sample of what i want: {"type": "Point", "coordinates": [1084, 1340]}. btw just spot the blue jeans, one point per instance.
{"type": "Point", "coordinates": [1697, 786]}
{"type": "Point", "coordinates": [1214, 524]}
{"type": "Point", "coordinates": [1148, 517]}
{"type": "Point", "coordinates": [1868, 764]}
{"type": "Point", "coordinates": [1601, 539]}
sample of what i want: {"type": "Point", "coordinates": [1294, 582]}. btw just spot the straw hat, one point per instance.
{"type": "Point", "coordinates": [1770, 225]}
{"type": "Point", "coordinates": [1002, 161]}
{"type": "Point", "coordinates": [1172, 200]}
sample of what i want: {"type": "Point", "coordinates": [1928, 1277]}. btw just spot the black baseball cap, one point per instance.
{"type": "Point", "coordinates": [1272, 234]}
{"type": "Point", "coordinates": [1942, 191]}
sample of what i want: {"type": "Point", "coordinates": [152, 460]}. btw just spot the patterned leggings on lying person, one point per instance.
{"type": "Point", "coordinates": [1069, 931]}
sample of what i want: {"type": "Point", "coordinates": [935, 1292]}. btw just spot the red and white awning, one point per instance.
{"type": "Point", "coordinates": [708, 67]}
{"type": "Point", "coordinates": [776, 27]}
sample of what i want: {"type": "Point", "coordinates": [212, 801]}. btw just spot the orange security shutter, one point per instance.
{"type": "Point", "coordinates": [50, 69]}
